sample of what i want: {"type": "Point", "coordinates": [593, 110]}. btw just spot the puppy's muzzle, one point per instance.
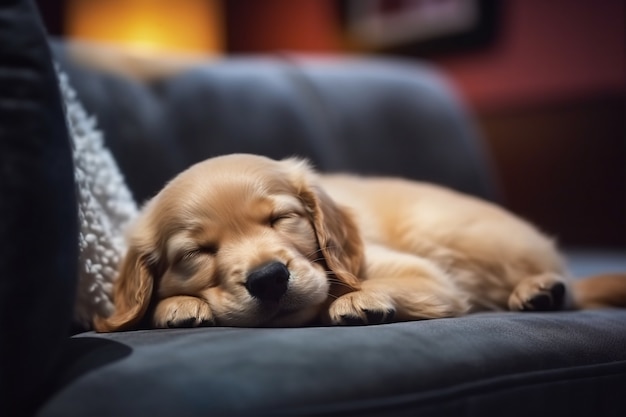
{"type": "Point", "coordinates": [269, 282]}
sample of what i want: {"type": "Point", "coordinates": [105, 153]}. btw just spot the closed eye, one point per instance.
{"type": "Point", "coordinates": [276, 219]}
{"type": "Point", "coordinates": [190, 254]}
{"type": "Point", "coordinates": [208, 249]}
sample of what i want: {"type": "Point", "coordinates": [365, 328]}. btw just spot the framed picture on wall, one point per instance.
{"type": "Point", "coordinates": [419, 25]}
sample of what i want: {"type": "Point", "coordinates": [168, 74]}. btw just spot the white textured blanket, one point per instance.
{"type": "Point", "coordinates": [105, 206]}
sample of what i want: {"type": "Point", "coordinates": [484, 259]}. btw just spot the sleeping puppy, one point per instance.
{"type": "Point", "coordinates": [243, 240]}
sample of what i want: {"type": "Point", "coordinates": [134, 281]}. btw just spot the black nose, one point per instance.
{"type": "Point", "coordinates": [269, 282]}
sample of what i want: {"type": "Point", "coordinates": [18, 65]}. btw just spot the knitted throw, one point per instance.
{"type": "Point", "coordinates": [105, 206]}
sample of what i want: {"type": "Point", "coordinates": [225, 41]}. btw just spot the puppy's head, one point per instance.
{"type": "Point", "coordinates": [255, 238]}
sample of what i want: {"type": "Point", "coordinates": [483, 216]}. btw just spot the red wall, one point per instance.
{"type": "Point", "coordinates": [256, 26]}
{"type": "Point", "coordinates": [547, 50]}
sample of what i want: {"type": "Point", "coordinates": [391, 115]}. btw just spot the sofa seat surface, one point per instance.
{"type": "Point", "coordinates": [561, 363]}
{"type": "Point", "coordinates": [438, 367]}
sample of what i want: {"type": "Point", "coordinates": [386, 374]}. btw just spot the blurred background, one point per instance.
{"type": "Point", "coordinates": [545, 80]}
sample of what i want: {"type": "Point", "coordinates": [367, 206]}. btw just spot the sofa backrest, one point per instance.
{"type": "Point", "coordinates": [363, 115]}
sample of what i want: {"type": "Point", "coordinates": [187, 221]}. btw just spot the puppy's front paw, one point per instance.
{"type": "Point", "coordinates": [182, 311]}
{"type": "Point", "coordinates": [360, 307]}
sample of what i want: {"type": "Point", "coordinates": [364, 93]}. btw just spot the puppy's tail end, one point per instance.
{"type": "Point", "coordinates": [600, 291]}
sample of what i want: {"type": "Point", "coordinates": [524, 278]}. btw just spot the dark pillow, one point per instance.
{"type": "Point", "coordinates": [38, 230]}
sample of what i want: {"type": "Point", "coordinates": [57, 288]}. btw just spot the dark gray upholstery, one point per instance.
{"type": "Point", "coordinates": [38, 216]}
{"type": "Point", "coordinates": [364, 115]}
{"type": "Point", "coordinates": [536, 364]}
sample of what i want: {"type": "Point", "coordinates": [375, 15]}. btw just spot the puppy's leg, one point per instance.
{"type": "Point", "coordinates": [543, 292]}
{"type": "Point", "coordinates": [362, 307]}
{"type": "Point", "coordinates": [182, 311]}
{"type": "Point", "coordinates": [398, 287]}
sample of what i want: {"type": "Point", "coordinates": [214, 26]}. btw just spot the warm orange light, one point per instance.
{"type": "Point", "coordinates": [149, 25]}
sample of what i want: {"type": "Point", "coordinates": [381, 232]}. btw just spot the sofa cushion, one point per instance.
{"type": "Point", "coordinates": [477, 365]}
{"type": "Point", "coordinates": [380, 117]}
{"type": "Point", "coordinates": [560, 363]}
{"type": "Point", "coordinates": [38, 242]}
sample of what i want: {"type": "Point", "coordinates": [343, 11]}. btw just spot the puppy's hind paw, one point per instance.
{"type": "Point", "coordinates": [544, 292]}
{"type": "Point", "coordinates": [182, 311]}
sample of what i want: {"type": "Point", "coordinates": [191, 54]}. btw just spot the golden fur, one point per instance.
{"type": "Point", "coordinates": [341, 250]}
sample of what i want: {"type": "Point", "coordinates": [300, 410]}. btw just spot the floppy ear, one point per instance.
{"type": "Point", "coordinates": [337, 234]}
{"type": "Point", "coordinates": [132, 293]}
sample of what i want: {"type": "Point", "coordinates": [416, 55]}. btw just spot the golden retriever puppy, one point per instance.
{"type": "Point", "coordinates": [243, 240]}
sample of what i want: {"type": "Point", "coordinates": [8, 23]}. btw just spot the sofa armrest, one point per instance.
{"type": "Point", "coordinates": [38, 219]}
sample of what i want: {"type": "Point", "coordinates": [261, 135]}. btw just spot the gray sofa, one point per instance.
{"type": "Point", "coordinates": [363, 115]}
